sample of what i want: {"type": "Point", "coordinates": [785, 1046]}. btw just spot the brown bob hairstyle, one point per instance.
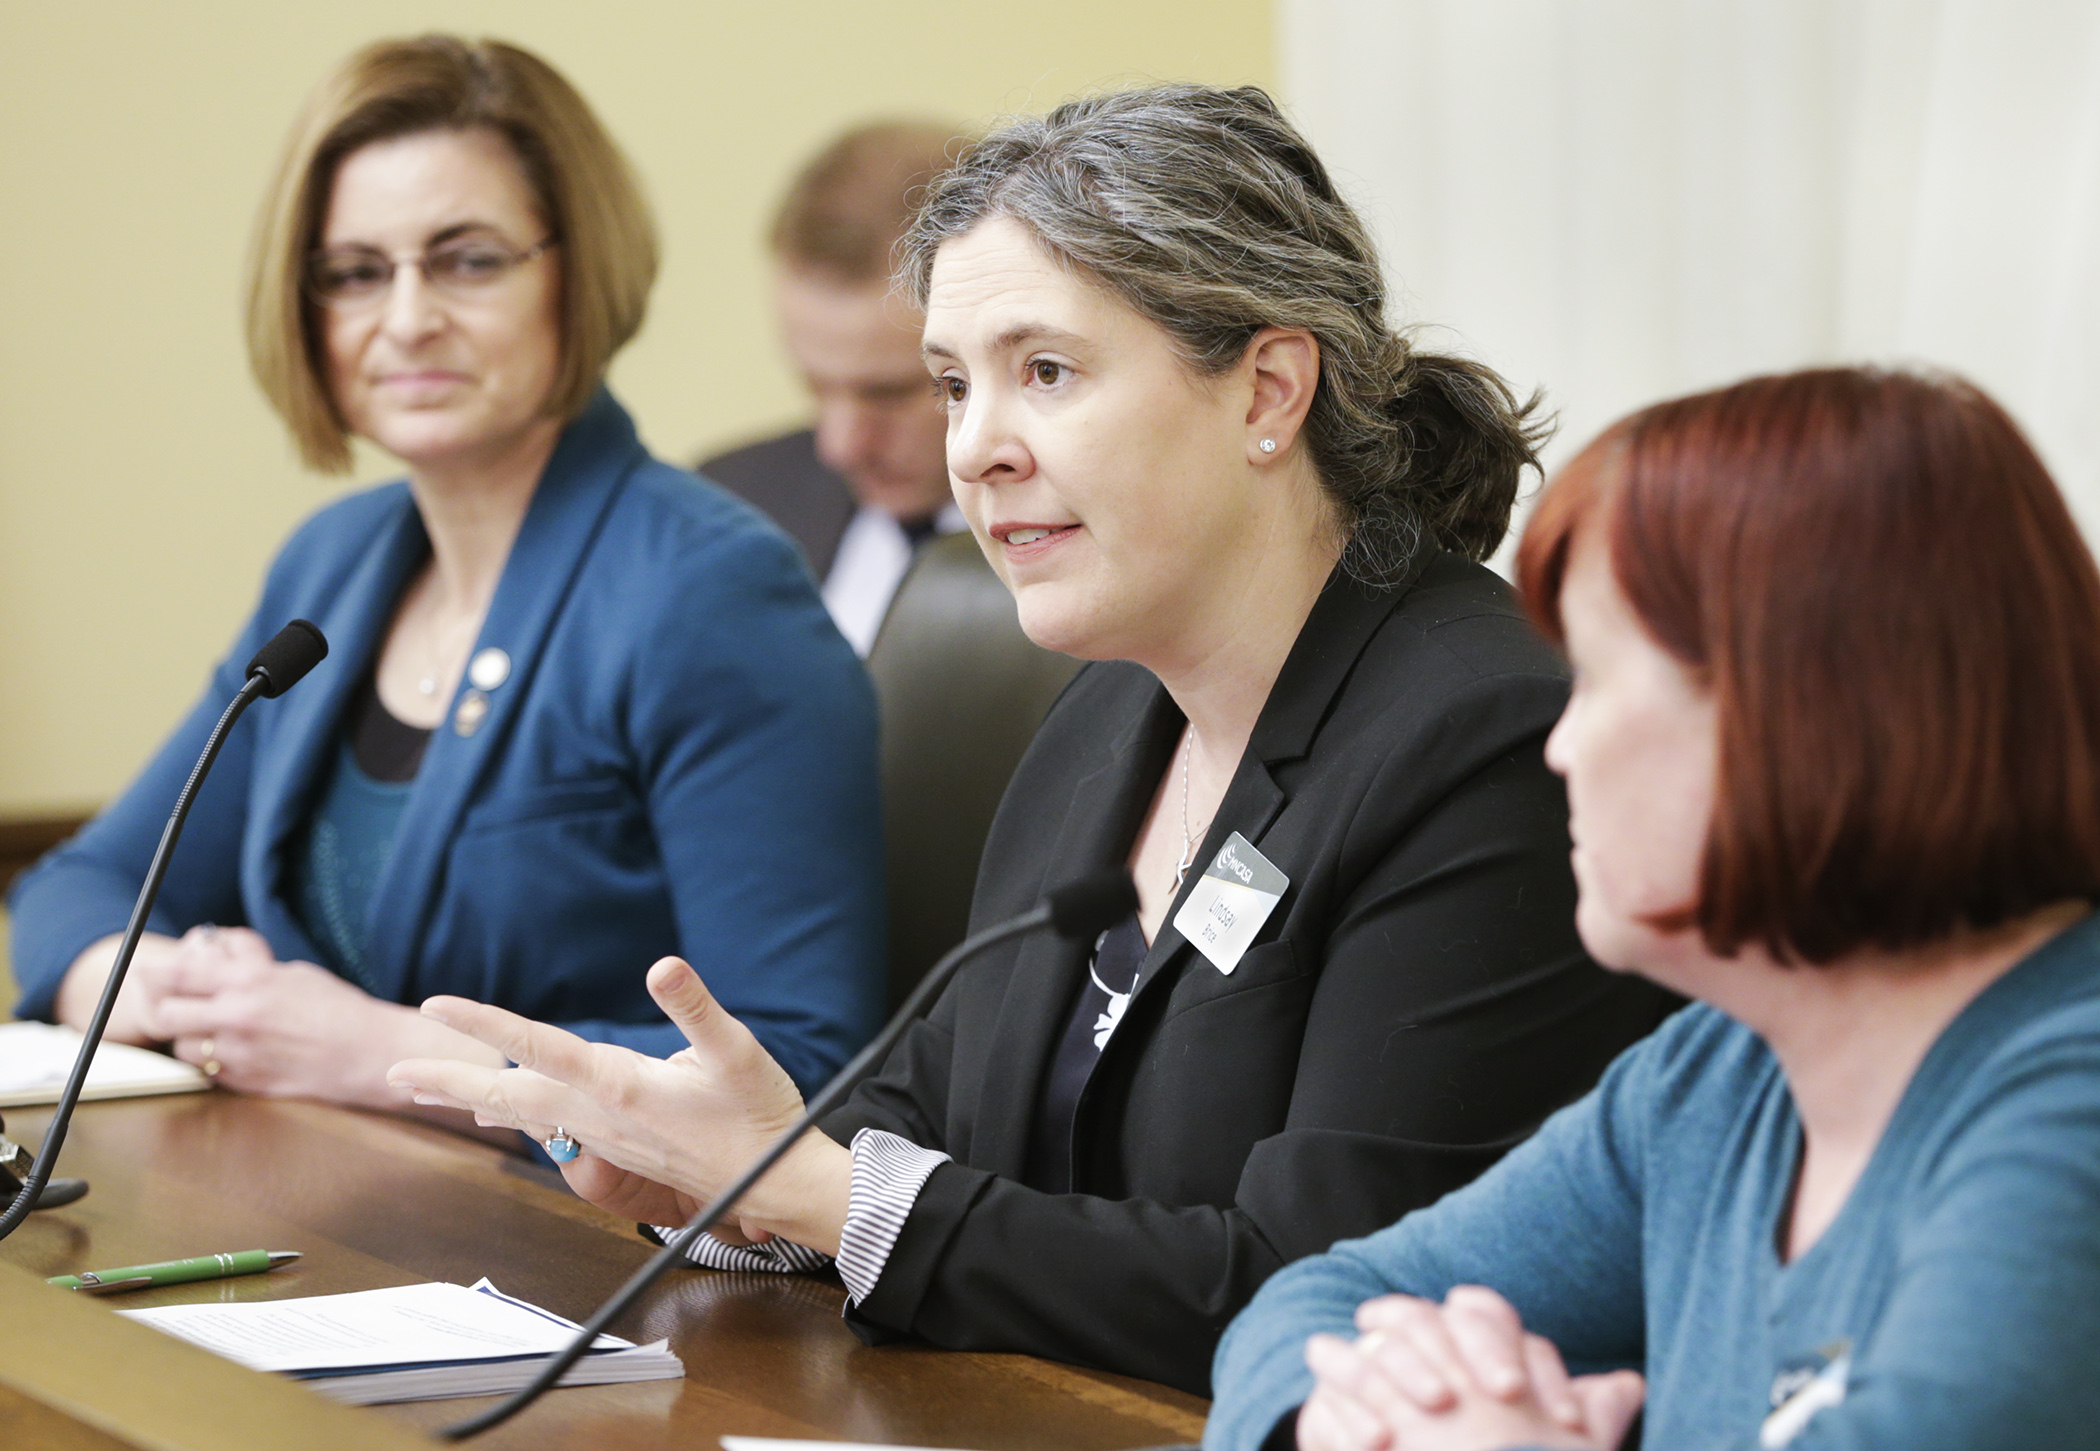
{"type": "Point", "coordinates": [587, 194]}
{"type": "Point", "coordinates": [1900, 625]}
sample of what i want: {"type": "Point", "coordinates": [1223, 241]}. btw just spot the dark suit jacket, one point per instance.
{"type": "Point", "coordinates": [1416, 1004]}
{"type": "Point", "coordinates": [784, 479]}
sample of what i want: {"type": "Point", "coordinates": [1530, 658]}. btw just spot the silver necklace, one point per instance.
{"type": "Point", "coordinates": [1188, 839]}
{"type": "Point", "coordinates": [428, 685]}
{"type": "Point", "coordinates": [442, 645]}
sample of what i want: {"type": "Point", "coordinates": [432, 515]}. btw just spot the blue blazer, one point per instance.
{"type": "Point", "coordinates": [681, 760]}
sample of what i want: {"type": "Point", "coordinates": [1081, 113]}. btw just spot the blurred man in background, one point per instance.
{"type": "Point", "coordinates": [865, 493]}
{"type": "Point", "coordinates": [868, 484]}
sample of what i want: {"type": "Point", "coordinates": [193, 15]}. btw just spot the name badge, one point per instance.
{"type": "Point", "coordinates": [1223, 911]}
{"type": "Point", "coordinates": [1802, 1388]}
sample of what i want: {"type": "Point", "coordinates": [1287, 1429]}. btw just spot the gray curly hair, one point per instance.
{"type": "Point", "coordinates": [1206, 212]}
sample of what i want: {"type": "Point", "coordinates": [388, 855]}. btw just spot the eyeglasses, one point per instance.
{"type": "Point", "coordinates": [360, 276]}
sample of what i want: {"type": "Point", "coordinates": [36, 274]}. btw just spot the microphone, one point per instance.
{"type": "Point", "coordinates": [279, 665]}
{"type": "Point", "coordinates": [1078, 910]}
{"type": "Point", "coordinates": [15, 1162]}
{"type": "Point", "coordinates": [286, 656]}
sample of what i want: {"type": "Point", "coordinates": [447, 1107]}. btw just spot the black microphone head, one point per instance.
{"type": "Point", "coordinates": [1091, 905]}
{"type": "Point", "coordinates": [286, 656]}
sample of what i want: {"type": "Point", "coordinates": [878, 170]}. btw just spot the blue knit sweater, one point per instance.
{"type": "Point", "coordinates": [1953, 1303]}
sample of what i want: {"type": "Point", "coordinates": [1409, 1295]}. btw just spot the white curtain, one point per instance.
{"type": "Point", "coordinates": [1619, 200]}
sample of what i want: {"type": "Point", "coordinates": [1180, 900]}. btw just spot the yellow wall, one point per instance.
{"type": "Point", "coordinates": [143, 484]}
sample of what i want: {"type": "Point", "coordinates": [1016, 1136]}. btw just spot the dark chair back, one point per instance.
{"type": "Point", "coordinates": [961, 692]}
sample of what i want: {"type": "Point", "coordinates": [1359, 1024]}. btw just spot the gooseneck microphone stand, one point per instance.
{"type": "Point", "coordinates": [279, 665]}
{"type": "Point", "coordinates": [1079, 910]}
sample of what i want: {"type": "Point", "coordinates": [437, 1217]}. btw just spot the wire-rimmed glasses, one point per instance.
{"type": "Point", "coordinates": [349, 277]}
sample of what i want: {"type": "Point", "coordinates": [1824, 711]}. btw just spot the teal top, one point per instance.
{"type": "Point", "coordinates": [674, 753]}
{"type": "Point", "coordinates": [337, 867]}
{"type": "Point", "coordinates": [1953, 1304]}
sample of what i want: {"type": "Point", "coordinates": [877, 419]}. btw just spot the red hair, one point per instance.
{"type": "Point", "coordinates": [1880, 584]}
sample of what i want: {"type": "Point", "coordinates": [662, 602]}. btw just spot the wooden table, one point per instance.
{"type": "Point", "coordinates": [375, 1201]}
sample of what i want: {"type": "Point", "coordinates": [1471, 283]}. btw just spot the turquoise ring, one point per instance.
{"type": "Point", "coordinates": [561, 1148]}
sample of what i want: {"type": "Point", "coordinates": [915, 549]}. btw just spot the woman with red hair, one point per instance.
{"type": "Point", "coordinates": [1833, 763]}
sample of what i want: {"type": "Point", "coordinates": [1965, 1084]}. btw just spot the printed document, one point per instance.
{"type": "Point", "coordinates": [418, 1342]}
{"type": "Point", "coordinates": [36, 1057]}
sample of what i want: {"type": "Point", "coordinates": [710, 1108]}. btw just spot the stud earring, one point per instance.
{"type": "Point", "coordinates": [1268, 445]}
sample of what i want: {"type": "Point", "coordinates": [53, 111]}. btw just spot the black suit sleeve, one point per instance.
{"type": "Point", "coordinates": [1449, 1010]}
{"type": "Point", "coordinates": [907, 1094]}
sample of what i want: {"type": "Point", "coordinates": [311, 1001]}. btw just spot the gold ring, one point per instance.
{"type": "Point", "coordinates": [210, 1049]}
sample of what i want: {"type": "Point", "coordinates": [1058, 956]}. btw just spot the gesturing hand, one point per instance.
{"type": "Point", "coordinates": [660, 1136]}
{"type": "Point", "coordinates": [1461, 1376]}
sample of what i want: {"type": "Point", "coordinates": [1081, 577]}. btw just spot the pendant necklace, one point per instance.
{"type": "Point", "coordinates": [1188, 839]}
{"type": "Point", "coordinates": [441, 642]}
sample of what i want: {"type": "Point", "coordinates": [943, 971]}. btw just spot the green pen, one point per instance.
{"type": "Point", "coordinates": [174, 1272]}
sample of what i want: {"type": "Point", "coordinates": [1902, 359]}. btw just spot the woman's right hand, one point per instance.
{"type": "Point", "coordinates": [659, 1136]}
{"type": "Point", "coordinates": [155, 967]}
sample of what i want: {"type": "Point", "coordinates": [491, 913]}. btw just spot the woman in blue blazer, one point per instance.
{"type": "Point", "coordinates": [581, 709]}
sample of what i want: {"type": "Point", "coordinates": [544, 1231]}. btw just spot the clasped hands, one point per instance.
{"type": "Point", "coordinates": [1461, 1376]}
{"type": "Point", "coordinates": [221, 999]}
{"type": "Point", "coordinates": [660, 1137]}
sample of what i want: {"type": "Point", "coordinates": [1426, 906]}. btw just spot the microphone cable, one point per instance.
{"type": "Point", "coordinates": [280, 664]}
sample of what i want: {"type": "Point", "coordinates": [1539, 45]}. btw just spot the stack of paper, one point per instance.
{"type": "Point", "coordinates": [416, 1343]}
{"type": "Point", "coordinates": [769, 1443]}
{"type": "Point", "coordinates": [36, 1057]}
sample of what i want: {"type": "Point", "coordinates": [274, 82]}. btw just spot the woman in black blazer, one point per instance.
{"type": "Point", "coordinates": [1190, 444]}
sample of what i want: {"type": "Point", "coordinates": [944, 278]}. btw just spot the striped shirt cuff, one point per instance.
{"type": "Point", "coordinates": [774, 1257]}
{"type": "Point", "coordinates": [888, 1173]}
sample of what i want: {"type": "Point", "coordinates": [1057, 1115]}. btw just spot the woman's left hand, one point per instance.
{"type": "Point", "coordinates": [1461, 1376]}
{"type": "Point", "coordinates": [289, 1029]}
{"type": "Point", "coordinates": [660, 1137]}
